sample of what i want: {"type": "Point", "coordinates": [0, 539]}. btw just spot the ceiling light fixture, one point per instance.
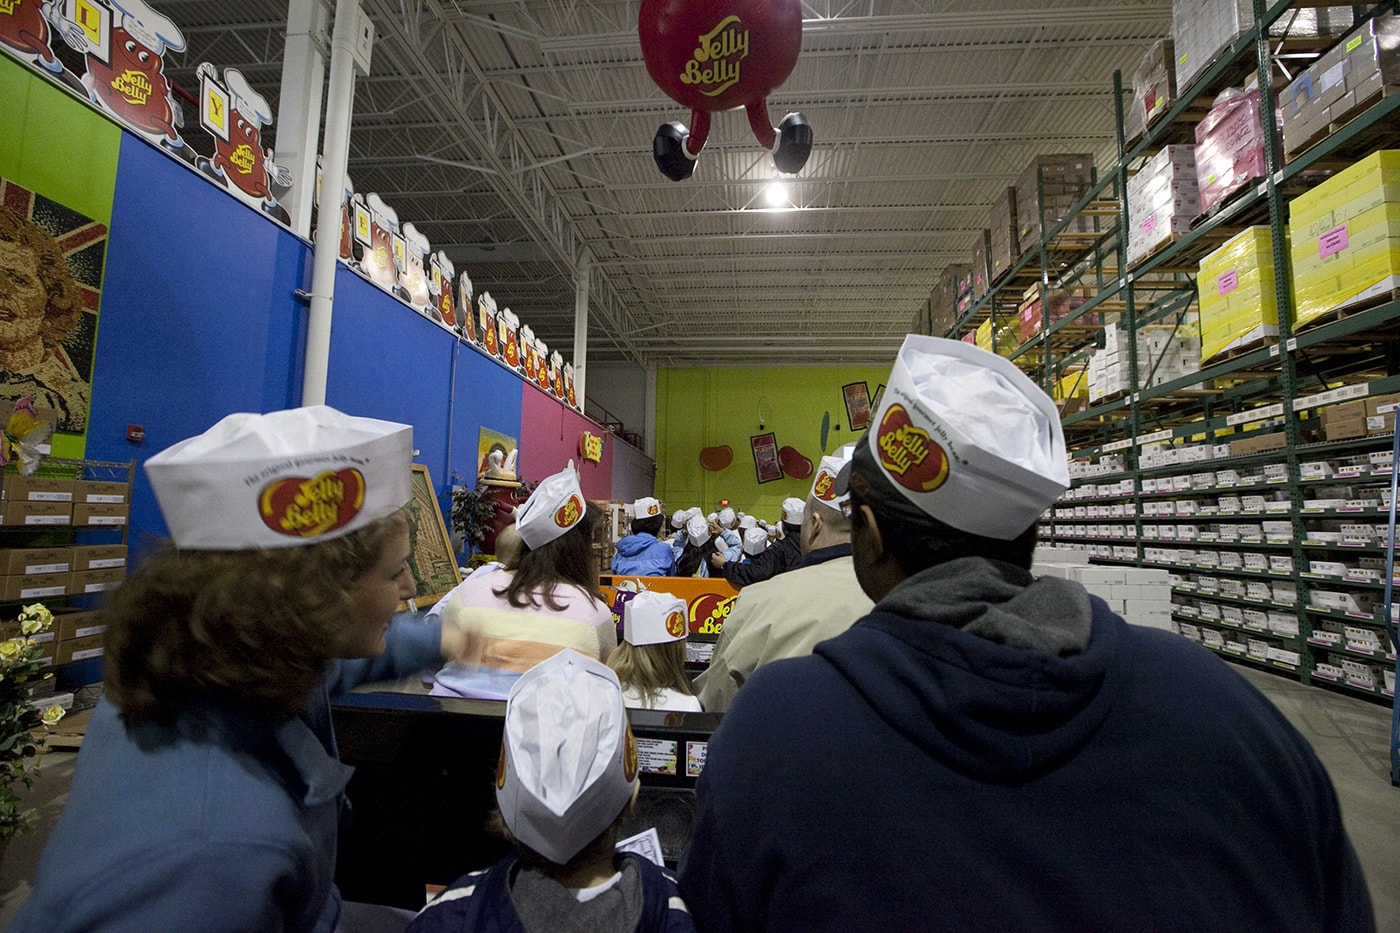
{"type": "Point", "coordinates": [776, 194]}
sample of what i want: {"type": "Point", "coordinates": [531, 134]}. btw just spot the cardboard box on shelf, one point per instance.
{"type": "Point", "coordinates": [85, 490]}
{"type": "Point", "coordinates": [1332, 89]}
{"type": "Point", "coordinates": [1046, 193]}
{"type": "Point", "coordinates": [1344, 420]}
{"type": "Point", "coordinates": [97, 581]}
{"type": "Point", "coordinates": [16, 587]}
{"type": "Point", "coordinates": [21, 561]}
{"type": "Point", "coordinates": [1378, 421]}
{"type": "Point", "coordinates": [1257, 443]}
{"type": "Point", "coordinates": [86, 514]}
{"type": "Point", "coordinates": [1003, 247]}
{"type": "Point", "coordinates": [1229, 147]}
{"type": "Point", "coordinates": [79, 623]}
{"type": "Point", "coordinates": [99, 556]}
{"type": "Point", "coordinates": [1154, 89]}
{"type": "Point", "coordinates": [78, 649]}
{"type": "Point", "coordinates": [17, 488]}
{"type": "Point", "coordinates": [35, 514]}
{"type": "Point", "coordinates": [981, 275]}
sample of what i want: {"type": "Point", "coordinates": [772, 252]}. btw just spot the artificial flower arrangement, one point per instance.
{"type": "Point", "coordinates": [19, 718]}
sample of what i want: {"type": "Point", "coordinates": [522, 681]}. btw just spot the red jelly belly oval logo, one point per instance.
{"type": "Point", "coordinates": [908, 454]}
{"type": "Point", "coordinates": [308, 508]}
{"type": "Point", "coordinates": [708, 612]}
{"type": "Point", "coordinates": [824, 489]}
{"type": "Point", "coordinates": [675, 624]}
{"type": "Point", "coordinates": [569, 513]}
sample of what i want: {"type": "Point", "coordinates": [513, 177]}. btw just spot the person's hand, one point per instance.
{"type": "Point", "coordinates": [717, 560]}
{"type": "Point", "coordinates": [462, 638]}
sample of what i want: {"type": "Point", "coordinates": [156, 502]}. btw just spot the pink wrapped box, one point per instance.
{"type": "Point", "coordinates": [1229, 148]}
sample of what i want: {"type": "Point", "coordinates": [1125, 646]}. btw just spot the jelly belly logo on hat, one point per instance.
{"type": "Point", "coordinates": [714, 66]}
{"type": "Point", "coordinates": [501, 768]}
{"type": "Point", "coordinates": [630, 765]}
{"type": "Point", "coordinates": [824, 488]}
{"type": "Point", "coordinates": [309, 507]}
{"type": "Point", "coordinates": [675, 624]}
{"type": "Point", "coordinates": [908, 454]}
{"type": "Point", "coordinates": [569, 513]}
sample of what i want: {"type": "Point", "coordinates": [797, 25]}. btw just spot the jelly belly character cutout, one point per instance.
{"type": "Point", "coordinates": [24, 29]}
{"type": "Point", "coordinates": [377, 261]}
{"type": "Point", "coordinates": [125, 74]}
{"type": "Point", "coordinates": [347, 219]}
{"type": "Point", "coordinates": [465, 295]}
{"type": "Point", "coordinates": [441, 289]}
{"type": "Point", "coordinates": [528, 350]}
{"type": "Point", "coordinates": [490, 339]}
{"type": "Point", "coordinates": [234, 114]}
{"type": "Point", "coordinates": [541, 374]}
{"type": "Point", "coordinates": [508, 323]}
{"type": "Point", "coordinates": [556, 373]}
{"type": "Point", "coordinates": [413, 280]}
{"type": "Point", "coordinates": [716, 55]}
{"type": "Point", "coordinates": [569, 393]}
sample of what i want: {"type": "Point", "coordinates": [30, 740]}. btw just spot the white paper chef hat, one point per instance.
{"type": "Point", "coordinates": [282, 479]}
{"type": "Point", "coordinates": [824, 485]}
{"type": "Point", "coordinates": [568, 762]}
{"type": "Point", "coordinates": [553, 508]}
{"type": "Point", "coordinates": [678, 518]}
{"type": "Point", "coordinates": [697, 530]}
{"type": "Point", "coordinates": [966, 437]}
{"type": "Point", "coordinates": [726, 517]}
{"type": "Point", "coordinates": [646, 507]}
{"type": "Point", "coordinates": [748, 521]}
{"type": "Point", "coordinates": [712, 517]}
{"type": "Point", "coordinates": [653, 618]}
{"type": "Point", "coordinates": [755, 541]}
{"type": "Point", "coordinates": [792, 510]}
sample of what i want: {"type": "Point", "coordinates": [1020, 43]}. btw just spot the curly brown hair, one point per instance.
{"type": "Point", "coordinates": [65, 298]}
{"type": "Point", "coordinates": [254, 628]}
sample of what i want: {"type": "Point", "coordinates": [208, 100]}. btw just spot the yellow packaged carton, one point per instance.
{"type": "Point", "coordinates": [1237, 295]}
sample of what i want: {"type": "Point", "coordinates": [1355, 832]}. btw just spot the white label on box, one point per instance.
{"type": "Point", "coordinates": [116, 499]}
{"type": "Point", "coordinates": [107, 520]}
{"type": "Point", "coordinates": [47, 519]}
{"type": "Point", "coordinates": [1255, 414]}
{"type": "Point", "coordinates": [89, 653]}
{"type": "Point", "coordinates": [1156, 436]}
{"type": "Point", "coordinates": [89, 630]}
{"type": "Point", "coordinates": [1119, 445]}
{"type": "Point", "coordinates": [100, 587]}
{"type": "Point", "coordinates": [45, 568]}
{"type": "Point", "coordinates": [107, 563]}
{"type": "Point", "coordinates": [36, 592]}
{"type": "Point", "coordinates": [50, 497]}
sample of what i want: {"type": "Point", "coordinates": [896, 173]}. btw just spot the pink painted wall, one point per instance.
{"type": "Point", "coordinates": [549, 434]}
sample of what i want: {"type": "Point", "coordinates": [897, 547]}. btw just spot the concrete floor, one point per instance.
{"type": "Point", "coordinates": [1351, 737]}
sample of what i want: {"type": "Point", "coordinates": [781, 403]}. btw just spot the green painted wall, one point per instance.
{"type": "Point", "coordinates": [698, 408]}
{"type": "Point", "coordinates": [54, 144]}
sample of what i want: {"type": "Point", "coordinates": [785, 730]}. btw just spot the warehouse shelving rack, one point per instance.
{"type": "Point", "coordinates": [1282, 383]}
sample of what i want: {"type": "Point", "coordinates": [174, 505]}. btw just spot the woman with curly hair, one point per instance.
{"type": "Point", "coordinates": [40, 304]}
{"type": "Point", "coordinates": [208, 792]}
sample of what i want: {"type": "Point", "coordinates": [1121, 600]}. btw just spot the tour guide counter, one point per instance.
{"type": "Point", "coordinates": [425, 768]}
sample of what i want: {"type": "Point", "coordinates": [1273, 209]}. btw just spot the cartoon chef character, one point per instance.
{"type": "Point", "coordinates": [465, 294]}
{"type": "Point", "coordinates": [509, 324]}
{"type": "Point", "coordinates": [413, 278]}
{"type": "Point", "coordinates": [127, 78]}
{"type": "Point", "coordinates": [541, 373]}
{"type": "Point", "coordinates": [378, 260]}
{"type": "Point", "coordinates": [489, 336]}
{"type": "Point", "coordinates": [239, 159]}
{"type": "Point", "coordinates": [556, 373]}
{"type": "Point", "coordinates": [24, 29]}
{"type": "Point", "coordinates": [528, 349]}
{"type": "Point", "coordinates": [441, 288]}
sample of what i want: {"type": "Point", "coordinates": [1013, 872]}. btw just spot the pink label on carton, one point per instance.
{"type": "Point", "coordinates": [1149, 224]}
{"type": "Point", "coordinates": [1227, 283]}
{"type": "Point", "coordinates": [1332, 242]}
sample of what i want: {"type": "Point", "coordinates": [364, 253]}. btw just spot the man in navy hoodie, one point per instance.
{"type": "Point", "coordinates": [989, 750]}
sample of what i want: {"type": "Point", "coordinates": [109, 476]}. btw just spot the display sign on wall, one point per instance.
{"type": "Point", "coordinates": [51, 259]}
{"type": "Point", "coordinates": [590, 447]}
{"type": "Point", "coordinates": [765, 457]}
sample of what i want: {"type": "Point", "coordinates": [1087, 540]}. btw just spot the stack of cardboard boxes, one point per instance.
{"type": "Point", "coordinates": [1002, 241]}
{"type": "Point", "coordinates": [1237, 293]}
{"type": "Point", "coordinates": [1162, 201]}
{"type": "Point", "coordinates": [1345, 237]}
{"type": "Point", "coordinates": [1229, 147]}
{"type": "Point", "coordinates": [1154, 90]}
{"type": "Point", "coordinates": [1203, 29]}
{"type": "Point", "coordinates": [1046, 192]}
{"type": "Point", "coordinates": [1337, 86]}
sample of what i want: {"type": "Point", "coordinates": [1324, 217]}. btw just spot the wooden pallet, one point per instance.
{"type": "Point", "coordinates": [1361, 306]}
{"type": "Point", "coordinates": [1234, 353]}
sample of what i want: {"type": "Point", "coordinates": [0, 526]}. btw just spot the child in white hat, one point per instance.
{"type": "Point", "coordinates": [213, 745]}
{"type": "Point", "coordinates": [643, 553]}
{"type": "Point", "coordinates": [567, 776]}
{"type": "Point", "coordinates": [650, 661]}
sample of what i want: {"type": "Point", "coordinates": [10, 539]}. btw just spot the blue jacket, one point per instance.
{"type": "Point", "coordinates": [217, 822]}
{"type": "Point", "coordinates": [920, 776]}
{"type": "Point", "coordinates": [643, 555]}
{"type": "Point", "coordinates": [481, 903]}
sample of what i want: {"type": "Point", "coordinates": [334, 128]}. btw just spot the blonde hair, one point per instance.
{"type": "Point", "coordinates": [650, 669]}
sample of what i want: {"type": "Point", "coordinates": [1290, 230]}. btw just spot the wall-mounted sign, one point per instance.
{"type": "Point", "coordinates": [590, 447]}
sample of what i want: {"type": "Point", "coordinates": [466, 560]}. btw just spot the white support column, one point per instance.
{"type": "Point", "coordinates": [299, 106]}
{"type": "Point", "coordinates": [649, 412]}
{"type": "Point", "coordinates": [349, 41]}
{"type": "Point", "coordinates": [585, 268]}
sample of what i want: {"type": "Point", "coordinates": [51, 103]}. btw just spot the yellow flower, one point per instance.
{"type": "Point", "coordinates": [52, 715]}
{"type": "Point", "coordinates": [11, 648]}
{"type": "Point", "coordinates": [36, 612]}
{"type": "Point", "coordinates": [30, 626]}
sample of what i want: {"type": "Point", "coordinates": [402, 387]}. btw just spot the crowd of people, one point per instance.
{"type": "Point", "coordinates": [917, 731]}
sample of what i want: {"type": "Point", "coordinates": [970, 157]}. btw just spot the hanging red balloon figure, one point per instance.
{"type": "Point", "coordinates": [716, 55]}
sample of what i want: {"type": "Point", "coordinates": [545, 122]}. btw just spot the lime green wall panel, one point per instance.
{"type": "Point", "coordinates": [56, 145]}
{"type": "Point", "coordinates": [698, 408]}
